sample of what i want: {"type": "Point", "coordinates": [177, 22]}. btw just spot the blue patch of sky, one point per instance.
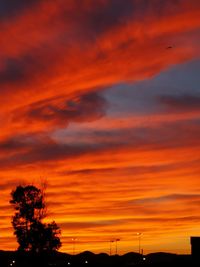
{"type": "Point", "coordinates": [142, 97]}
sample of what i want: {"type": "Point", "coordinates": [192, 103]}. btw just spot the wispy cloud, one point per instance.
{"type": "Point", "coordinates": [181, 103]}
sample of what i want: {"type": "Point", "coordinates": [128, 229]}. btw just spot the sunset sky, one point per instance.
{"type": "Point", "coordinates": [100, 99]}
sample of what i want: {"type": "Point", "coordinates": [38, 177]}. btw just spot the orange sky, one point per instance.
{"type": "Point", "coordinates": [101, 100]}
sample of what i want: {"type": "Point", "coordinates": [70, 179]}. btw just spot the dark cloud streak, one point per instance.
{"type": "Point", "coordinates": [85, 107]}
{"type": "Point", "coordinates": [44, 149]}
{"type": "Point", "coordinates": [179, 103]}
{"type": "Point", "coordinates": [10, 8]}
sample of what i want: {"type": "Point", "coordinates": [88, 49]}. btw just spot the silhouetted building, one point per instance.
{"type": "Point", "coordinates": [195, 246]}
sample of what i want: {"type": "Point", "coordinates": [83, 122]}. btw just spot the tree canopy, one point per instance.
{"type": "Point", "coordinates": [30, 209]}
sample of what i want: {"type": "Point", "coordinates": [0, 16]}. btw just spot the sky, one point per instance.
{"type": "Point", "coordinates": [100, 100]}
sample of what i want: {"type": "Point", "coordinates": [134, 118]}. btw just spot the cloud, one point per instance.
{"type": "Point", "coordinates": [12, 144]}
{"type": "Point", "coordinates": [19, 72]}
{"type": "Point", "coordinates": [35, 148]}
{"type": "Point", "coordinates": [107, 15]}
{"type": "Point", "coordinates": [90, 224]}
{"type": "Point", "coordinates": [180, 103]}
{"type": "Point", "coordinates": [61, 49]}
{"type": "Point", "coordinates": [43, 148]}
{"type": "Point", "coordinates": [53, 113]}
{"type": "Point", "coordinates": [150, 136]}
{"type": "Point", "coordinates": [137, 170]}
{"type": "Point", "coordinates": [6, 185]}
{"type": "Point", "coordinates": [12, 72]}
{"type": "Point", "coordinates": [9, 8]}
{"type": "Point", "coordinates": [168, 199]}
{"type": "Point", "coordinates": [87, 107]}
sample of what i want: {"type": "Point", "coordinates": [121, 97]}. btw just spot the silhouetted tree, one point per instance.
{"type": "Point", "coordinates": [32, 234]}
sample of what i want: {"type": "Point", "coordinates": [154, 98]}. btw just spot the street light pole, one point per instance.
{"type": "Point", "coordinates": [111, 241]}
{"type": "Point", "coordinates": [139, 242]}
{"type": "Point", "coordinates": [116, 240]}
{"type": "Point", "coordinates": [74, 243]}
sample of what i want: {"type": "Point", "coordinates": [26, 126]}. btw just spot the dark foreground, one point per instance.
{"type": "Point", "coordinates": [16, 259]}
